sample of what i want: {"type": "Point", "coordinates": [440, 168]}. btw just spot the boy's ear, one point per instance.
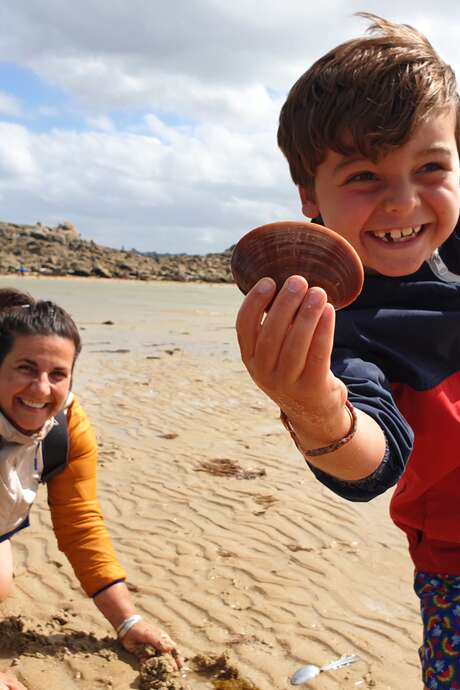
{"type": "Point", "coordinates": [309, 206]}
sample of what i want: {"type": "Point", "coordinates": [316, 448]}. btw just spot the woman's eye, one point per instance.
{"type": "Point", "coordinates": [25, 369]}
{"type": "Point", "coordinates": [58, 375]}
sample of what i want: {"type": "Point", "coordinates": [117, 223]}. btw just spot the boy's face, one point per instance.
{"type": "Point", "coordinates": [397, 211]}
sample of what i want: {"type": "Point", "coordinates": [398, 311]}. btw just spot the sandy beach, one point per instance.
{"type": "Point", "coordinates": [228, 540]}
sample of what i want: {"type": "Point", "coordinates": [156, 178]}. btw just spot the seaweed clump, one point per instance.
{"type": "Point", "coordinates": [222, 673]}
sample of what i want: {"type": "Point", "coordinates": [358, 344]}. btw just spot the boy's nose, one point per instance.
{"type": "Point", "coordinates": [400, 198]}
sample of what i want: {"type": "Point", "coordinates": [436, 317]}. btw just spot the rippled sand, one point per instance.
{"type": "Point", "coordinates": [274, 568]}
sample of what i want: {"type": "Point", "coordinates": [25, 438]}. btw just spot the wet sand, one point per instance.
{"type": "Point", "coordinates": [229, 542]}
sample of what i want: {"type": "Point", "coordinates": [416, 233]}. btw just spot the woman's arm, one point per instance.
{"type": "Point", "coordinates": [81, 534]}
{"type": "Point", "coordinates": [77, 518]}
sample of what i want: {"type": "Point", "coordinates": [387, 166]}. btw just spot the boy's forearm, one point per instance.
{"type": "Point", "coordinates": [358, 458]}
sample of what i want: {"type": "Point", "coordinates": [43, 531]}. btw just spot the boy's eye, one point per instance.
{"type": "Point", "coordinates": [364, 176]}
{"type": "Point", "coordinates": [432, 167]}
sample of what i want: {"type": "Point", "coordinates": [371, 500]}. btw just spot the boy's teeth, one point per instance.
{"type": "Point", "coordinates": [397, 235]}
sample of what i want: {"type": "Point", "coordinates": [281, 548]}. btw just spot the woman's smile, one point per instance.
{"type": "Point", "coordinates": [35, 378]}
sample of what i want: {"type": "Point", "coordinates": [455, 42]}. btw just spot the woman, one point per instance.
{"type": "Point", "coordinates": [39, 343]}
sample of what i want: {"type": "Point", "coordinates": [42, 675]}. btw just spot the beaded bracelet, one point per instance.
{"type": "Point", "coordinates": [126, 625]}
{"type": "Point", "coordinates": [335, 445]}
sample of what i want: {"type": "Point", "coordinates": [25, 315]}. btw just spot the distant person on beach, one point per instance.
{"type": "Point", "coordinates": [39, 343]}
{"type": "Point", "coordinates": [371, 395]}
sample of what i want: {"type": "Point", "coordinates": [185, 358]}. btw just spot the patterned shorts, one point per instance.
{"type": "Point", "coordinates": [440, 652]}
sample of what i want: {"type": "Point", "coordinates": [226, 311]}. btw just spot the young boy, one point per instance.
{"type": "Point", "coordinates": [371, 135]}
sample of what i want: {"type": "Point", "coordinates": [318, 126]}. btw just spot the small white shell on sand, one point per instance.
{"type": "Point", "coordinates": [304, 674]}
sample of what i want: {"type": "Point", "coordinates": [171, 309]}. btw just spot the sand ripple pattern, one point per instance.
{"type": "Point", "coordinates": [276, 567]}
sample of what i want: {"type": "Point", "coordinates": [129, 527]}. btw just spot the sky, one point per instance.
{"type": "Point", "coordinates": [152, 124]}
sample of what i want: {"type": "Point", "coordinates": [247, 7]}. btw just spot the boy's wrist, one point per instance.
{"type": "Point", "coordinates": [333, 433]}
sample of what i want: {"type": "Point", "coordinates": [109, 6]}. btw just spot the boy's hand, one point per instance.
{"type": "Point", "coordinates": [288, 355]}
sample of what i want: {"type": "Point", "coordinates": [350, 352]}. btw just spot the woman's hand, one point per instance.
{"type": "Point", "coordinates": [142, 635]}
{"type": "Point", "coordinates": [116, 605]}
{"type": "Point", "coordinates": [8, 682]}
{"type": "Point", "coordinates": [288, 355]}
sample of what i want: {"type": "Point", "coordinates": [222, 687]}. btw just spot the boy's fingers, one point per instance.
{"type": "Point", "coordinates": [318, 363]}
{"type": "Point", "coordinates": [250, 315]}
{"type": "Point", "coordinates": [279, 320]}
{"type": "Point", "coordinates": [296, 346]}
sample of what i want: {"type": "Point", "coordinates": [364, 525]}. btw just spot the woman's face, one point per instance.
{"type": "Point", "coordinates": [35, 379]}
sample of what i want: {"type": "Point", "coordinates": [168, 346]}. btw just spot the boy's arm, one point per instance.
{"type": "Point", "coordinates": [369, 390]}
{"type": "Point", "coordinates": [288, 355]}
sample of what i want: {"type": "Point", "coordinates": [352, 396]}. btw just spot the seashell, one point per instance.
{"type": "Point", "coordinates": [286, 248]}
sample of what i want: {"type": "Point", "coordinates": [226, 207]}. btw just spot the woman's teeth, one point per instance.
{"type": "Point", "coordinates": [35, 405]}
{"type": "Point", "coordinates": [401, 235]}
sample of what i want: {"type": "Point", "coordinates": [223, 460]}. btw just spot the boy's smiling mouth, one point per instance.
{"type": "Point", "coordinates": [397, 234]}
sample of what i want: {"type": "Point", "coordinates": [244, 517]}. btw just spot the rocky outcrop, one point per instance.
{"type": "Point", "coordinates": [60, 251]}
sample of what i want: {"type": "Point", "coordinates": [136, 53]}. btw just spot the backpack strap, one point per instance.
{"type": "Point", "coordinates": [55, 448]}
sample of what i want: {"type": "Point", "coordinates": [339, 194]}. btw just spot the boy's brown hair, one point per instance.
{"type": "Point", "coordinates": [367, 95]}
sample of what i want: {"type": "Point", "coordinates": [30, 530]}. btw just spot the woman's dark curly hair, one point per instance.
{"type": "Point", "coordinates": [21, 314]}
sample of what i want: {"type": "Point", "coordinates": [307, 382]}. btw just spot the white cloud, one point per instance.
{"type": "Point", "coordinates": [197, 191]}
{"type": "Point", "coordinates": [17, 164]}
{"type": "Point", "coordinates": [9, 105]}
{"type": "Point", "coordinates": [178, 106]}
{"type": "Point", "coordinates": [100, 122]}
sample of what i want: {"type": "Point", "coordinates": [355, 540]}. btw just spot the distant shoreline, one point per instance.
{"type": "Point", "coordinates": [88, 279]}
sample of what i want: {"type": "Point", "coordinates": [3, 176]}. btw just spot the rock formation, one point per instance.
{"type": "Point", "coordinates": [60, 251]}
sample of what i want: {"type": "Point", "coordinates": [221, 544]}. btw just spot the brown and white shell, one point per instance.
{"type": "Point", "coordinates": [286, 248]}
